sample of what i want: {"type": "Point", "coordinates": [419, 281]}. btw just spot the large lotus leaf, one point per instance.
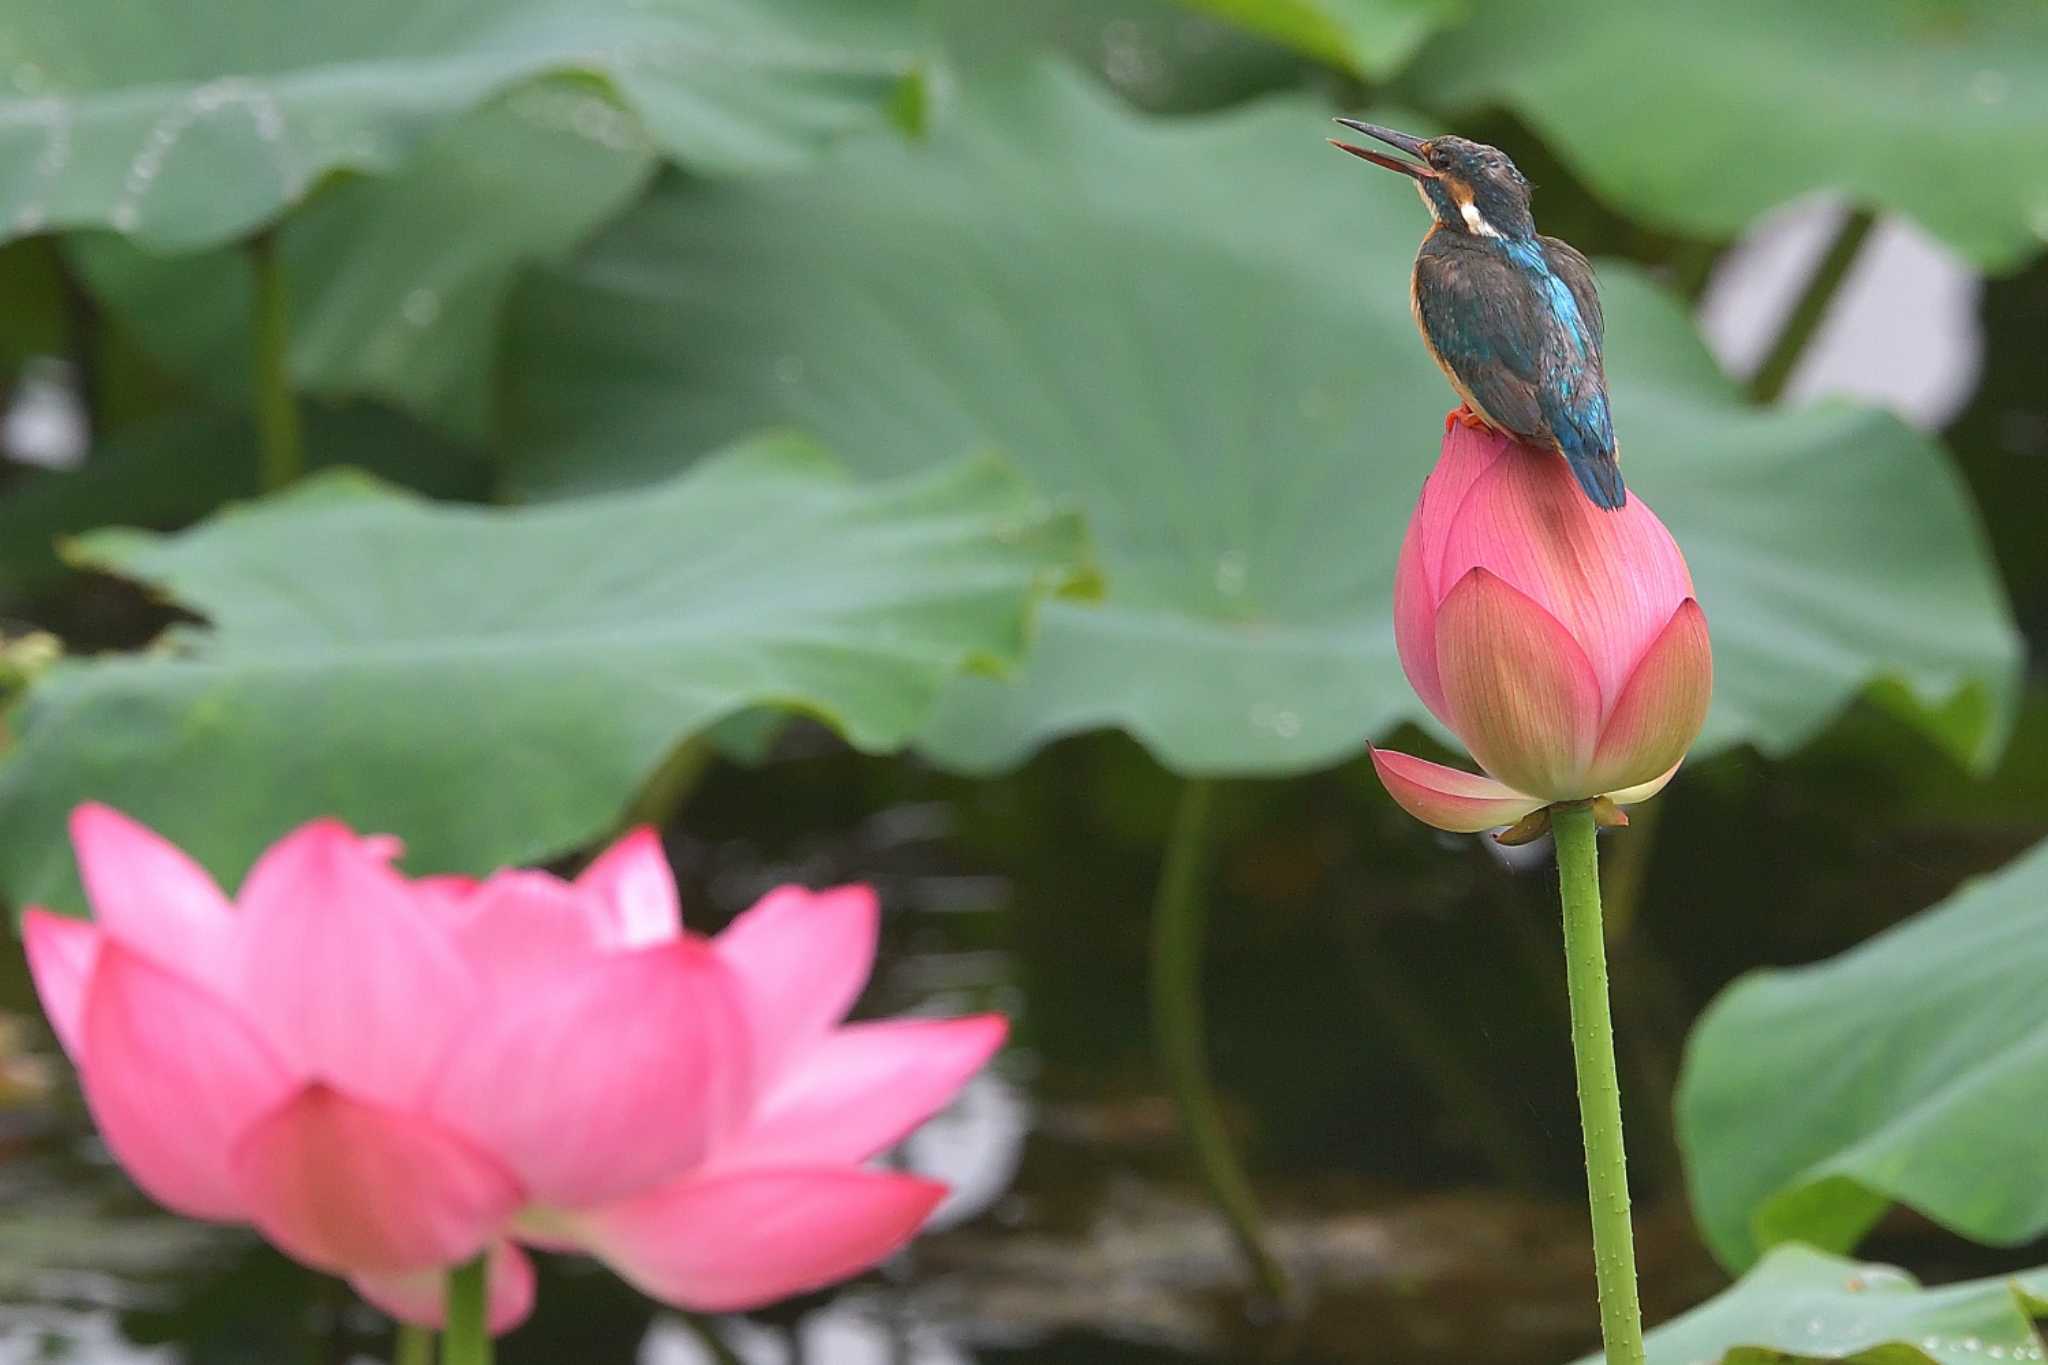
{"type": "Point", "coordinates": [1373, 37]}
{"type": "Point", "coordinates": [494, 685]}
{"type": "Point", "coordinates": [187, 122]}
{"type": "Point", "coordinates": [1804, 1305]}
{"type": "Point", "coordinates": [395, 285]}
{"type": "Point", "coordinates": [1701, 116]}
{"type": "Point", "coordinates": [1156, 54]}
{"type": "Point", "coordinates": [1912, 1069]}
{"type": "Point", "coordinates": [1200, 330]}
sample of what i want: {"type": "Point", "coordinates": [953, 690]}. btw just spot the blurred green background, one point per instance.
{"type": "Point", "coordinates": [914, 442]}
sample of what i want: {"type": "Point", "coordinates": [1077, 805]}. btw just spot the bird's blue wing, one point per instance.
{"type": "Point", "coordinates": [1573, 387]}
{"type": "Point", "coordinates": [1569, 264]}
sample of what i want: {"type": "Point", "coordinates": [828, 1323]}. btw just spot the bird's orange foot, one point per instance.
{"type": "Point", "coordinates": [1466, 417]}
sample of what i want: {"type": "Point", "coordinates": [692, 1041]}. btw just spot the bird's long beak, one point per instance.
{"type": "Point", "coordinates": [1411, 145]}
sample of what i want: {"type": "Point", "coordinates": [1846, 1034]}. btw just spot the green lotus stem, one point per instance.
{"type": "Point", "coordinates": [282, 446]}
{"type": "Point", "coordinates": [1644, 992]}
{"type": "Point", "coordinates": [1179, 919]}
{"type": "Point", "coordinates": [467, 1338]}
{"type": "Point", "coordinates": [415, 1346]}
{"type": "Point", "coordinates": [1585, 952]}
{"type": "Point", "coordinates": [1771, 377]}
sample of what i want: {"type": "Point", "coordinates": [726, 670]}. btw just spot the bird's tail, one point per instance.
{"type": "Point", "coordinates": [1599, 474]}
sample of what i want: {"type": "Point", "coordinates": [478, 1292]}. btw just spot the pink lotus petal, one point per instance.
{"type": "Point", "coordinates": [420, 1297]}
{"type": "Point", "coordinates": [445, 892]}
{"type": "Point", "coordinates": [606, 1077]}
{"type": "Point", "coordinates": [632, 883]}
{"type": "Point", "coordinates": [174, 1077]}
{"type": "Point", "coordinates": [1467, 456]}
{"type": "Point", "coordinates": [1610, 579]}
{"type": "Point", "coordinates": [863, 1088]}
{"type": "Point", "coordinates": [61, 954]}
{"type": "Point", "coordinates": [1643, 791]}
{"type": "Point", "coordinates": [1521, 693]}
{"type": "Point", "coordinates": [1415, 618]}
{"type": "Point", "coordinates": [353, 1187]}
{"type": "Point", "coordinates": [1662, 706]}
{"type": "Point", "coordinates": [1464, 803]}
{"type": "Point", "coordinates": [345, 973]}
{"type": "Point", "coordinates": [383, 848]}
{"type": "Point", "coordinates": [1419, 582]}
{"type": "Point", "coordinates": [145, 892]}
{"type": "Point", "coordinates": [720, 1244]}
{"type": "Point", "coordinates": [802, 958]}
{"type": "Point", "coordinates": [520, 929]}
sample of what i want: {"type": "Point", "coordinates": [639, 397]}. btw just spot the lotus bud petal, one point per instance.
{"type": "Point", "coordinates": [1562, 644]}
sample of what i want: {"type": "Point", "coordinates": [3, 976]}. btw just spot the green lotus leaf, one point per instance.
{"type": "Point", "coordinates": [185, 123]}
{"type": "Point", "coordinates": [1802, 1306]}
{"type": "Point", "coordinates": [1908, 1070]}
{"type": "Point", "coordinates": [396, 285]}
{"type": "Point", "coordinates": [1371, 37]}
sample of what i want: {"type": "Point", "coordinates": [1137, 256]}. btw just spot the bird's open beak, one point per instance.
{"type": "Point", "coordinates": [1411, 145]}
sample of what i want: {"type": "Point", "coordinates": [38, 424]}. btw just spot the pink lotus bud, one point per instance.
{"type": "Point", "coordinates": [1560, 642]}
{"type": "Point", "coordinates": [386, 1077]}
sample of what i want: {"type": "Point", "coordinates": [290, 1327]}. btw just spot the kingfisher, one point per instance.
{"type": "Point", "coordinates": [1510, 316]}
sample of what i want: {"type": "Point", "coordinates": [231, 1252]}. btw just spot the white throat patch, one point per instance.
{"type": "Point", "coordinates": [1476, 220]}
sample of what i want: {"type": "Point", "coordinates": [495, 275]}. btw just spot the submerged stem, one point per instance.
{"type": "Point", "coordinates": [664, 793]}
{"type": "Point", "coordinates": [467, 1339]}
{"type": "Point", "coordinates": [415, 1346]}
{"type": "Point", "coordinates": [1811, 308]}
{"type": "Point", "coordinates": [1585, 951]}
{"type": "Point", "coordinates": [707, 1336]}
{"type": "Point", "coordinates": [1179, 919]}
{"type": "Point", "coordinates": [282, 447]}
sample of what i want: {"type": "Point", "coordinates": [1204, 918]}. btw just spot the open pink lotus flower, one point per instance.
{"type": "Point", "coordinates": [1561, 643]}
{"type": "Point", "coordinates": [386, 1077]}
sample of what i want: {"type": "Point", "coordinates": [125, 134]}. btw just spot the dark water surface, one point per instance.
{"type": "Point", "coordinates": [1387, 1027]}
